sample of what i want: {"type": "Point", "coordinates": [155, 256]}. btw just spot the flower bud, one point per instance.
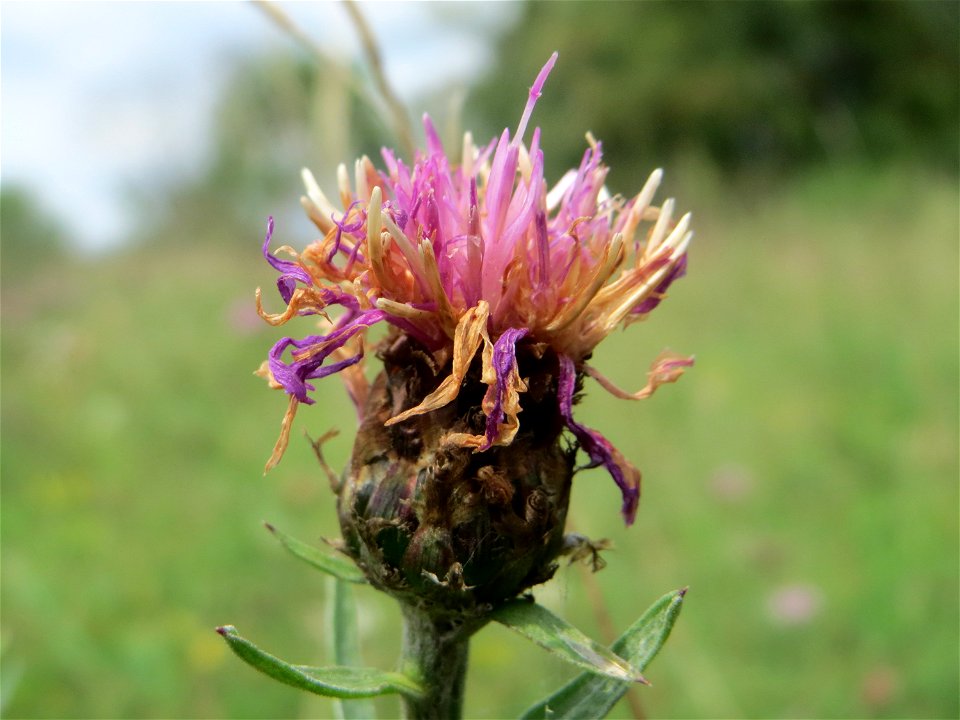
{"type": "Point", "coordinates": [431, 520]}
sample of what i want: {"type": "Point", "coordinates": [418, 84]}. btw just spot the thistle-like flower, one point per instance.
{"type": "Point", "coordinates": [496, 290]}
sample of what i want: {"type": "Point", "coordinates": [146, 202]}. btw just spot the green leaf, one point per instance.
{"type": "Point", "coordinates": [336, 681]}
{"type": "Point", "coordinates": [341, 622]}
{"type": "Point", "coordinates": [339, 567]}
{"type": "Point", "coordinates": [592, 696]}
{"type": "Point", "coordinates": [537, 623]}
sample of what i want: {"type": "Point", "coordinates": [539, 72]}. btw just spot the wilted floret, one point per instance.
{"type": "Point", "coordinates": [475, 259]}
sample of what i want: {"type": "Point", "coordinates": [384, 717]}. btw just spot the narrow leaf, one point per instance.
{"type": "Point", "coordinates": [339, 567]}
{"type": "Point", "coordinates": [341, 622]}
{"type": "Point", "coordinates": [592, 696]}
{"type": "Point", "coordinates": [364, 682]}
{"type": "Point", "coordinates": [537, 623]}
{"type": "Point", "coordinates": [337, 682]}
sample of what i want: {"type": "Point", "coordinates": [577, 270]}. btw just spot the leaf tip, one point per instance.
{"type": "Point", "coordinates": [682, 591]}
{"type": "Point", "coordinates": [272, 529]}
{"type": "Point", "coordinates": [226, 630]}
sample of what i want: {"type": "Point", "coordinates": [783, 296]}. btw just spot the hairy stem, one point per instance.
{"type": "Point", "coordinates": [435, 654]}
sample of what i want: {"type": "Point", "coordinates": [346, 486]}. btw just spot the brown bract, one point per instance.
{"type": "Point", "coordinates": [437, 524]}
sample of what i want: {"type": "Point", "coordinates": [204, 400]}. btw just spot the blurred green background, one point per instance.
{"type": "Point", "coordinates": [802, 479]}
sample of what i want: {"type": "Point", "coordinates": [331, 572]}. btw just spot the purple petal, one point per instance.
{"type": "Point", "coordinates": [343, 227]}
{"type": "Point", "coordinates": [500, 182]}
{"type": "Point", "coordinates": [293, 376]}
{"type": "Point", "coordinates": [530, 200]}
{"type": "Point", "coordinates": [290, 272]}
{"type": "Point", "coordinates": [431, 218]}
{"type": "Point", "coordinates": [285, 374]}
{"type": "Point", "coordinates": [336, 367]}
{"type": "Point", "coordinates": [600, 450]}
{"type": "Point", "coordinates": [543, 251]}
{"type": "Point", "coordinates": [434, 146]}
{"type": "Point", "coordinates": [652, 300]}
{"type": "Point", "coordinates": [504, 361]}
{"type": "Point", "coordinates": [534, 95]}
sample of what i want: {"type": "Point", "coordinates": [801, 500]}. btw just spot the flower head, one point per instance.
{"type": "Point", "coordinates": [479, 259]}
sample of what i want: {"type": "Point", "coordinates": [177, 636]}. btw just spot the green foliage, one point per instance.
{"type": "Point", "coordinates": [339, 567]}
{"type": "Point", "coordinates": [334, 681]}
{"type": "Point", "coordinates": [31, 238]}
{"type": "Point", "coordinates": [550, 632]}
{"type": "Point", "coordinates": [813, 446]}
{"type": "Point", "coordinates": [756, 87]}
{"type": "Point", "coordinates": [590, 695]}
{"type": "Point", "coordinates": [341, 623]}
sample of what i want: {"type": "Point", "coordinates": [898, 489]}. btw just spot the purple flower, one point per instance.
{"type": "Point", "coordinates": [478, 258]}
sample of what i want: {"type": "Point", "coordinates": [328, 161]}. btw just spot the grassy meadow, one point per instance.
{"type": "Point", "coordinates": [801, 479]}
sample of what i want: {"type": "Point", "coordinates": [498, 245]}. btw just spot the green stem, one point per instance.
{"type": "Point", "coordinates": [435, 655]}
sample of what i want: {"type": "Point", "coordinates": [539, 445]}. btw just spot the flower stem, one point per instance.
{"type": "Point", "coordinates": [435, 654]}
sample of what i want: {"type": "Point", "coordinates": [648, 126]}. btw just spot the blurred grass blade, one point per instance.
{"type": "Point", "coordinates": [341, 622]}
{"type": "Point", "coordinates": [339, 567]}
{"type": "Point", "coordinates": [592, 696]}
{"type": "Point", "coordinates": [10, 678]}
{"type": "Point", "coordinates": [537, 623]}
{"type": "Point", "coordinates": [337, 682]}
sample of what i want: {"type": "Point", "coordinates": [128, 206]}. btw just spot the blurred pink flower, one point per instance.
{"type": "Point", "coordinates": [241, 318]}
{"type": "Point", "coordinates": [794, 604]}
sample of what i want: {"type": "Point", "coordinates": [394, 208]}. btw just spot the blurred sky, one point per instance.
{"type": "Point", "coordinates": [100, 97]}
